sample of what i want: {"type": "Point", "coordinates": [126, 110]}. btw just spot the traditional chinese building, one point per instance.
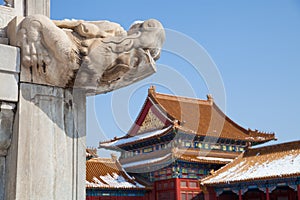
{"type": "Point", "coordinates": [107, 180]}
{"type": "Point", "coordinates": [266, 173]}
{"type": "Point", "coordinates": [175, 141]}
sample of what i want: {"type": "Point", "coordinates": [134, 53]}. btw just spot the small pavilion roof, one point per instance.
{"type": "Point", "coordinates": [264, 163]}
{"type": "Point", "coordinates": [108, 174]}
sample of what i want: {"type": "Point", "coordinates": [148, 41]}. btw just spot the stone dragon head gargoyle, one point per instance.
{"type": "Point", "coordinates": [97, 56]}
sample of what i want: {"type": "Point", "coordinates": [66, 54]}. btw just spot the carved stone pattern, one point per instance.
{"type": "Point", "coordinates": [97, 56]}
{"type": "Point", "coordinates": [150, 123]}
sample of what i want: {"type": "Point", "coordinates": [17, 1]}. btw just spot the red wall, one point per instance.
{"type": "Point", "coordinates": [176, 188]}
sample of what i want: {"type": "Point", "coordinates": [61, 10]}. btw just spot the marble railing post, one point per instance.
{"type": "Point", "coordinates": [47, 154]}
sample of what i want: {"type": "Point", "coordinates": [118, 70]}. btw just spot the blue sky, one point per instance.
{"type": "Point", "coordinates": [255, 46]}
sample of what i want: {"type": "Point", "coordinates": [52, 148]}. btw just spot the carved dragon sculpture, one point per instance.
{"type": "Point", "coordinates": [97, 56]}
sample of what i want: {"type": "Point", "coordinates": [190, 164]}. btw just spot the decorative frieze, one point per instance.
{"type": "Point", "coordinates": [151, 122]}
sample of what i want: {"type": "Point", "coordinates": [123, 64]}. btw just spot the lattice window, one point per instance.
{"type": "Point", "coordinates": [206, 146]}
{"type": "Point", "coordinates": [187, 144]}
{"type": "Point", "coordinates": [193, 184]}
{"type": "Point", "coordinates": [183, 184]}
{"type": "Point", "coordinates": [224, 148]}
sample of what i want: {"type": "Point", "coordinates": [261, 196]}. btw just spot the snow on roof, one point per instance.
{"type": "Point", "coordinates": [114, 180]}
{"type": "Point", "coordinates": [108, 173]}
{"type": "Point", "coordinates": [148, 161]}
{"type": "Point", "coordinates": [214, 159]}
{"type": "Point", "coordinates": [281, 160]}
{"type": "Point", "coordinates": [135, 138]}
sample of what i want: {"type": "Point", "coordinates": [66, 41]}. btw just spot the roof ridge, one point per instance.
{"type": "Point", "coordinates": [100, 160]}
{"type": "Point", "coordinates": [209, 101]}
{"type": "Point", "coordinates": [186, 99]}
{"type": "Point", "coordinates": [281, 147]}
{"type": "Point", "coordinates": [224, 168]}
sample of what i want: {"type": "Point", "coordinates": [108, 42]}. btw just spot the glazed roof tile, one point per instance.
{"type": "Point", "coordinates": [204, 118]}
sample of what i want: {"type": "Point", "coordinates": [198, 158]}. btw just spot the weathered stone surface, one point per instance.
{"type": "Point", "coordinates": [6, 14]}
{"type": "Point", "coordinates": [47, 154]}
{"type": "Point", "coordinates": [37, 7]}
{"type": "Point", "coordinates": [13, 8]}
{"type": "Point", "coordinates": [10, 59]}
{"type": "Point", "coordinates": [3, 40]}
{"type": "Point", "coordinates": [2, 177]}
{"type": "Point", "coordinates": [9, 72]}
{"type": "Point", "coordinates": [6, 123]}
{"type": "Point", "coordinates": [9, 90]}
{"type": "Point", "coordinates": [12, 29]}
{"type": "Point", "coordinates": [96, 56]}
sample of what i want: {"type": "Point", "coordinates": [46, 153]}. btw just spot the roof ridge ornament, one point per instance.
{"type": "Point", "coordinates": [210, 98]}
{"type": "Point", "coordinates": [152, 90]}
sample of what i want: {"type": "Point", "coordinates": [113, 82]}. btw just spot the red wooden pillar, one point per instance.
{"type": "Point", "coordinates": [240, 195]}
{"type": "Point", "coordinates": [177, 189]}
{"type": "Point", "coordinates": [155, 191]}
{"type": "Point", "coordinates": [298, 191]}
{"type": "Point", "coordinates": [267, 194]}
{"type": "Point", "coordinates": [210, 194]}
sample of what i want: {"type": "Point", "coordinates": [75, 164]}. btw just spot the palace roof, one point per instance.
{"type": "Point", "coordinates": [162, 112]}
{"type": "Point", "coordinates": [265, 163]}
{"type": "Point", "coordinates": [108, 174]}
{"type": "Point", "coordinates": [204, 118]}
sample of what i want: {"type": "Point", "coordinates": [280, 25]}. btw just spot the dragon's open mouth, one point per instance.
{"type": "Point", "coordinates": [113, 73]}
{"type": "Point", "coordinates": [116, 70]}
